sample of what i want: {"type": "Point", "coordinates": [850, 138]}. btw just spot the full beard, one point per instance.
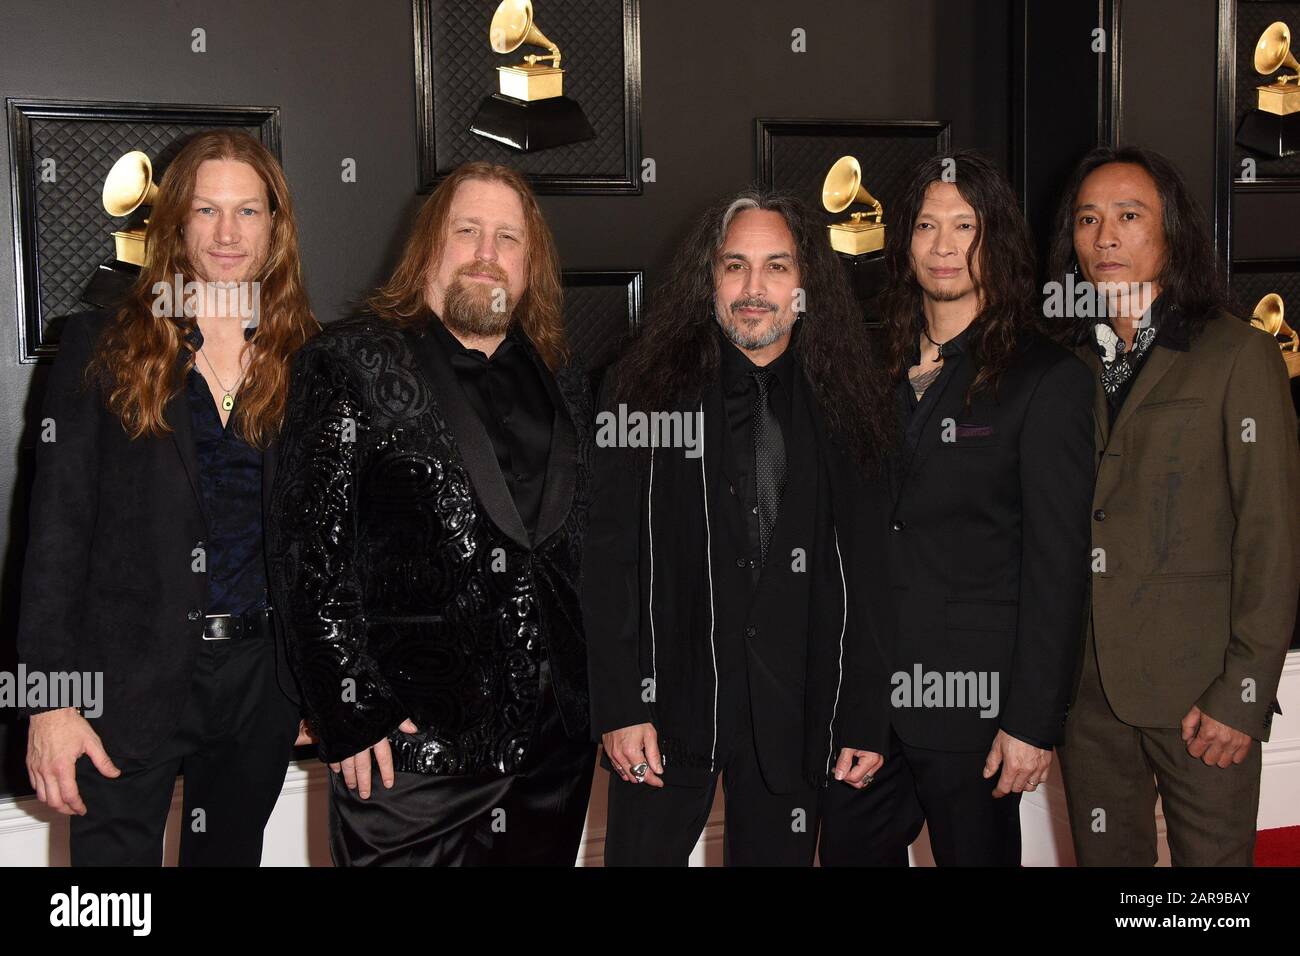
{"type": "Point", "coordinates": [743, 338]}
{"type": "Point", "coordinates": [468, 309]}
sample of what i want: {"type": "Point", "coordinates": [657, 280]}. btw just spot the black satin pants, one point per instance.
{"type": "Point", "coordinates": [530, 818]}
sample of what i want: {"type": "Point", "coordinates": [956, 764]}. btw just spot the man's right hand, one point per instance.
{"type": "Point", "coordinates": [356, 769]}
{"type": "Point", "coordinates": [629, 746]}
{"type": "Point", "coordinates": [56, 739]}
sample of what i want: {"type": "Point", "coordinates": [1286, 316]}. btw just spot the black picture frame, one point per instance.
{"type": "Point", "coordinates": [434, 167]}
{"type": "Point", "coordinates": [31, 260]}
{"type": "Point", "coordinates": [601, 309]}
{"type": "Point", "coordinates": [777, 139]}
{"type": "Point", "coordinates": [793, 155]}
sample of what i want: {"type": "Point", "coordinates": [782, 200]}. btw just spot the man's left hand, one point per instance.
{"type": "Point", "coordinates": [1024, 766]}
{"type": "Point", "coordinates": [1215, 743]}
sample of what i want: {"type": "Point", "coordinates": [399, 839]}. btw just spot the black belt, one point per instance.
{"type": "Point", "coordinates": [233, 627]}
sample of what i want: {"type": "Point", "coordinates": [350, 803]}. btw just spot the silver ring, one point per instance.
{"type": "Point", "coordinates": [640, 770]}
{"type": "Point", "coordinates": [868, 780]}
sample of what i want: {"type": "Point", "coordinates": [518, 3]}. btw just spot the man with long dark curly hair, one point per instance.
{"type": "Point", "coordinates": [732, 585]}
{"type": "Point", "coordinates": [988, 530]}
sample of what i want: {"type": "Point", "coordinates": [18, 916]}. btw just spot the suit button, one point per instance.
{"type": "Point", "coordinates": [194, 615]}
{"type": "Point", "coordinates": [751, 631]}
{"type": "Point", "coordinates": [899, 525]}
{"type": "Point", "coordinates": [1099, 514]}
{"type": "Point", "coordinates": [741, 562]}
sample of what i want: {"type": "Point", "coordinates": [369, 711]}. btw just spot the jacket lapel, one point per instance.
{"type": "Point", "coordinates": [1100, 408]}
{"type": "Point", "coordinates": [470, 437]}
{"type": "Point", "coordinates": [1160, 361]}
{"type": "Point", "coordinates": [561, 464]}
{"type": "Point", "coordinates": [931, 433]}
{"type": "Point", "coordinates": [177, 414]}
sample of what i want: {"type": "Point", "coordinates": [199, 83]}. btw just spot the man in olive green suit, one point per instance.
{"type": "Point", "coordinates": [1196, 545]}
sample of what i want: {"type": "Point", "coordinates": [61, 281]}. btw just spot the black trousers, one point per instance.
{"type": "Point", "coordinates": [659, 826]}
{"type": "Point", "coordinates": [968, 827]}
{"type": "Point", "coordinates": [232, 745]}
{"type": "Point", "coordinates": [530, 818]}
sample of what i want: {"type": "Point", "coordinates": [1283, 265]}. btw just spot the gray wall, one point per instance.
{"type": "Point", "coordinates": [341, 72]}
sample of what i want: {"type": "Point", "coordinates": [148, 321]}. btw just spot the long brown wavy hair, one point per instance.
{"type": "Point", "coordinates": [135, 360]}
{"type": "Point", "coordinates": [539, 312]}
{"type": "Point", "coordinates": [675, 354]}
{"type": "Point", "coordinates": [1002, 256]}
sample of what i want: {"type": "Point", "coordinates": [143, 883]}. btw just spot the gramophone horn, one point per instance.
{"type": "Point", "coordinates": [843, 186]}
{"type": "Point", "coordinates": [1268, 315]}
{"type": "Point", "coordinates": [129, 185]}
{"type": "Point", "coordinates": [513, 27]}
{"type": "Point", "coordinates": [1273, 51]}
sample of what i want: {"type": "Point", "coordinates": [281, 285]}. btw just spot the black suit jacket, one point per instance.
{"type": "Point", "coordinates": [988, 552]}
{"type": "Point", "coordinates": [408, 584]}
{"type": "Point", "coordinates": [658, 571]}
{"type": "Point", "coordinates": [108, 581]}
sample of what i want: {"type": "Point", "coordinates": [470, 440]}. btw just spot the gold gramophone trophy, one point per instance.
{"type": "Point", "coordinates": [128, 188]}
{"type": "Point", "coordinates": [1268, 315]}
{"type": "Point", "coordinates": [1274, 127]}
{"type": "Point", "coordinates": [862, 232]}
{"type": "Point", "coordinates": [531, 111]}
{"type": "Point", "coordinates": [859, 239]}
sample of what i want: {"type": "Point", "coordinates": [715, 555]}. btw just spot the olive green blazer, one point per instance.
{"type": "Point", "coordinates": [1196, 532]}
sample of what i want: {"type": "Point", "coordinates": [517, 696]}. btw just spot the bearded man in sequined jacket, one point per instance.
{"type": "Point", "coordinates": [425, 544]}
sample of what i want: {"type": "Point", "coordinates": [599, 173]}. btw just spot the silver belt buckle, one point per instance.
{"type": "Point", "coordinates": [205, 629]}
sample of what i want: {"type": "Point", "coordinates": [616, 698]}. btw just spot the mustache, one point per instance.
{"type": "Point", "coordinates": [486, 268]}
{"type": "Point", "coordinates": [752, 302]}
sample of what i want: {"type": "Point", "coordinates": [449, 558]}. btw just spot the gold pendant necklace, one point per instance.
{"type": "Point", "coordinates": [227, 398]}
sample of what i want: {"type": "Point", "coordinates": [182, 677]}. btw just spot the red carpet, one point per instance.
{"type": "Point", "coordinates": [1280, 847]}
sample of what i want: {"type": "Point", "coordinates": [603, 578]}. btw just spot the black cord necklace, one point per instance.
{"type": "Point", "coordinates": [937, 345]}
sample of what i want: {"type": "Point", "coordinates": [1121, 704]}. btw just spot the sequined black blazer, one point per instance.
{"type": "Point", "coordinates": [405, 579]}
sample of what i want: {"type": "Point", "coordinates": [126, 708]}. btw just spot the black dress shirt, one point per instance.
{"type": "Point", "coordinates": [913, 412]}
{"type": "Point", "coordinates": [509, 397]}
{"type": "Point", "coordinates": [739, 393]}
{"type": "Point", "coordinates": [230, 484]}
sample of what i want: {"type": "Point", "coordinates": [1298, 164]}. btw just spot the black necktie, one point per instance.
{"type": "Point", "coordinates": [769, 460]}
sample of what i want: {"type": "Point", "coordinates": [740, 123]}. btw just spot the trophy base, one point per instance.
{"type": "Point", "coordinates": [1292, 360]}
{"type": "Point", "coordinates": [530, 82]}
{"type": "Point", "coordinates": [528, 127]}
{"type": "Point", "coordinates": [110, 283]}
{"type": "Point", "coordinates": [1270, 134]}
{"type": "Point", "coordinates": [867, 277]}
{"type": "Point", "coordinates": [1280, 99]}
{"type": "Point", "coordinates": [857, 238]}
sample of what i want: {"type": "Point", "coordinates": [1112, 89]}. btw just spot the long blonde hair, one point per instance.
{"type": "Point", "coordinates": [135, 359]}
{"type": "Point", "coordinates": [540, 310]}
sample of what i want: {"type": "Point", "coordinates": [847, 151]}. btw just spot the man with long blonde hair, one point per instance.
{"type": "Point", "coordinates": [145, 571]}
{"type": "Point", "coordinates": [426, 544]}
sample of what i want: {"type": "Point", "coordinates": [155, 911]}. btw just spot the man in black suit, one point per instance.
{"type": "Point", "coordinates": [733, 585]}
{"type": "Point", "coordinates": [429, 516]}
{"type": "Point", "coordinates": [145, 563]}
{"type": "Point", "coordinates": [988, 531]}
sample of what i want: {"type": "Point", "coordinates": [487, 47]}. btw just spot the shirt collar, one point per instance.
{"type": "Point", "coordinates": [954, 346]}
{"type": "Point", "coordinates": [1160, 315]}
{"type": "Point", "coordinates": [455, 347]}
{"type": "Point", "coordinates": [193, 336]}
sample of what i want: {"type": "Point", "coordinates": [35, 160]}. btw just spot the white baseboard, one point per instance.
{"type": "Point", "coordinates": [33, 835]}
